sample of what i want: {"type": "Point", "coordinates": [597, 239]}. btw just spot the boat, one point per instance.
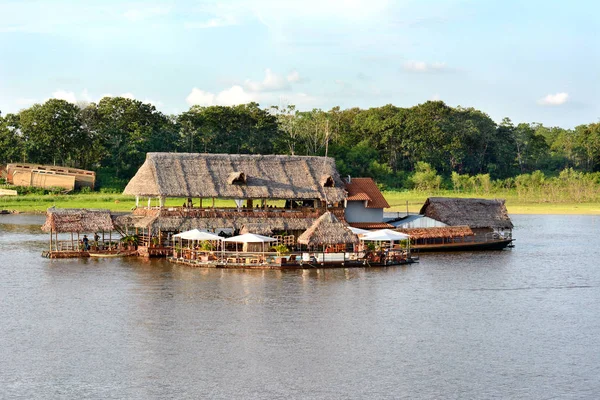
{"type": "Point", "coordinates": [493, 244]}
{"type": "Point", "coordinates": [112, 255]}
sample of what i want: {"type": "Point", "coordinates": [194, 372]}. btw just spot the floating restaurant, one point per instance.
{"type": "Point", "coordinates": [285, 212]}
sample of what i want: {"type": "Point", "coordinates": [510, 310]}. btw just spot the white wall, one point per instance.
{"type": "Point", "coordinates": [356, 212]}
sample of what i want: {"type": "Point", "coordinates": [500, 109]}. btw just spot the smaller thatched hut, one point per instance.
{"type": "Point", "coordinates": [481, 215]}
{"type": "Point", "coordinates": [328, 230]}
{"type": "Point", "coordinates": [75, 221]}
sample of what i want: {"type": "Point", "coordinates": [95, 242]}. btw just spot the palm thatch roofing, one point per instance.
{"type": "Point", "coordinates": [327, 229]}
{"type": "Point", "coordinates": [259, 229]}
{"type": "Point", "coordinates": [475, 213]}
{"type": "Point", "coordinates": [437, 232]}
{"type": "Point", "coordinates": [158, 223]}
{"type": "Point", "coordinates": [77, 220]}
{"type": "Point", "coordinates": [237, 176]}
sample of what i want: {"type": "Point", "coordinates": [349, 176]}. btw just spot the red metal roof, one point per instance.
{"type": "Point", "coordinates": [361, 189]}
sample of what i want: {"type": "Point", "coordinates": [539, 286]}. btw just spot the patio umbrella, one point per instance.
{"type": "Point", "coordinates": [250, 238]}
{"type": "Point", "coordinates": [358, 231]}
{"type": "Point", "coordinates": [196, 234]}
{"type": "Point", "coordinates": [384, 235]}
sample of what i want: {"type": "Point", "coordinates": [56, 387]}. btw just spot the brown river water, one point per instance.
{"type": "Point", "coordinates": [514, 324]}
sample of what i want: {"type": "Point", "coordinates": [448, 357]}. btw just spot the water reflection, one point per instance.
{"type": "Point", "coordinates": [519, 324]}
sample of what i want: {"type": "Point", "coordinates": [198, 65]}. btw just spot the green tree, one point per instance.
{"type": "Point", "coordinates": [52, 133]}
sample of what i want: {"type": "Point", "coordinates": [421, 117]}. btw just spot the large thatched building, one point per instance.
{"type": "Point", "coordinates": [481, 215]}
{"type": "Point", "coordinates": [308, 186]}
{"type": "Point", "coordinates": [237, 176]}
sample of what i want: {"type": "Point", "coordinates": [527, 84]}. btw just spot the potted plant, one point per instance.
{"type": "Point", "coordinates": [154, 242]}
{"type": "Point", "coordinates": [281, 249]}
{"type": "Point", "coordinates": [130, 241]}
{"type": "Point", "coordinates": [177, 251]}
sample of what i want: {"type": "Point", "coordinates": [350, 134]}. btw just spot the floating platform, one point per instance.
{"type": "Point", "coordinates": [291, 265]}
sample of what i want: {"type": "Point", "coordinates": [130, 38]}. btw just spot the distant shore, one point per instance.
{"type": "Point", "coordinates": [399, 202]}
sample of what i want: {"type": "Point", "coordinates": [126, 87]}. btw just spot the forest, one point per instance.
{"type": "Point", "coordinates": [428, 146]}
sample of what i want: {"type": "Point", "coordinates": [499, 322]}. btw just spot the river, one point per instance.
{"type": "Point", "coordinates": [514, 324]}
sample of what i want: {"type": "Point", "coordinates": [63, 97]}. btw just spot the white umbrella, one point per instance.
{"type": "Point", "coordinates": [196, 234]}
{"type": "Point", "coordinates": [384, 235]}
{"type": "Point", "coordinates": [250, 238]}
{"type": "Point", "coordinates": [358, 231]}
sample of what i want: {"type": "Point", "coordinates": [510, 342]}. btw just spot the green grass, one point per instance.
{"type": "Point", "coordinates": [415, 199]}
{"type": "Point", "coordinates": [398, 201]}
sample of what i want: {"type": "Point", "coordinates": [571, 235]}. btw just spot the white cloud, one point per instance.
{"type": "Point", "coordinates": [422, 66]}
{"type": "Point", "coordinates": [140, 14]}
{"type": "Point", "coordinates": [227, 20]}
{"type": "Point", "coordinates": [554, 99]}
{"type": "Point", "coordinates": [221, 14]}
{"type": "Point", "coordinates": [64, 95]}
{"type": "Point", "coordinates": [200, 98]}
{"type": "Point", "coordinates": [234, 95]}
{"type": "Point", "coordinates": [273, 82]}
{"type": "Point", "coordinates": [293, 77]}
{"type": "Point", "coordinates": [228, 97]}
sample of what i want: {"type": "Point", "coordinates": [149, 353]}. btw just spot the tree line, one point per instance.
{"type": "Point", "coordinates": [391, 144]}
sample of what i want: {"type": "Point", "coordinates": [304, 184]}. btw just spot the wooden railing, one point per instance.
{"type": "Point", "coordinates": [232, 212]}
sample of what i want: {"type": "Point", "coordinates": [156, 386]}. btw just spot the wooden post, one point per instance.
{"type": "Point", "coordinates": [137, 201]}
{"type": "Point", "coordinates": [56, 242]}
{"type": "Point", "coordinates": [213, 202]}
{"type": "Point", "coordinates": [149, 201]}
{"type": "Point", "coordinates": [72, 240]}
{"type": "Point", "coordinates": [50, 239]}
{"type": "Point", "coordinates": [200, 202]}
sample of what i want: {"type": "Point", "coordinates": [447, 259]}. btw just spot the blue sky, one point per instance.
{"type": "Point", "coordinates": [532, 61]}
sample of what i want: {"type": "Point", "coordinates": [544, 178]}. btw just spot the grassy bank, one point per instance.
{"type": "Point", "coordinates": [515, 205]}
{"type": "Point", "coordinates": [399, 201]}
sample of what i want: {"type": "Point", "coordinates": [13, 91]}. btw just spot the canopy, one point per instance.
{"type": "Point", "coordinates": [384, 235]}
{"type": "Point", "coordinates": [196, 234]}
{"type": "Point", "coordinates": [250, 238]}
{"type": "Point", "coordinates": [358, 231]}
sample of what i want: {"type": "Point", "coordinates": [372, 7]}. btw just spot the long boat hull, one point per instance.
{"type": "Point", "coordinates": [469, 246]}
{"type": "Point", "coordinates": [112, 255]}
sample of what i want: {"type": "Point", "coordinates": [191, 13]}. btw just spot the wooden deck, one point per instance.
{"type": "Point", "coordinates": [289, 262]}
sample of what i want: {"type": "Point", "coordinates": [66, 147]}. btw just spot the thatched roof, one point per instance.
{"type": "Point", "coordinates": [437, 232]}
{"type": "Point", "coordinates": [237, 176]}
{"type": "Point", "coordinates": [259, 229]}
{"type": "Point", "coordinates": [77, 220]}
{"type": "Point", "coordinates": [175, 224]}
{"type": "Point", "coordinates": [327, 229]}
{"type": "Point", "coordinates": [475, 213]}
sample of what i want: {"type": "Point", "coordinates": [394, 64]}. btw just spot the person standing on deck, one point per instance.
{"type": "Point", "coordinates": [86, 243]}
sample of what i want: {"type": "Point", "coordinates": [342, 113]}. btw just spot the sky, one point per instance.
{"type": "Point", "coordinates": [531, 61]}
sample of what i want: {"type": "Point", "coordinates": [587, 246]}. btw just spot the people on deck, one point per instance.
{"type": "Point", "coordinates": [86, 242]}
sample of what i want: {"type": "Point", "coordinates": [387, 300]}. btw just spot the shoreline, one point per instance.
{"type": "Point", "coordinates": [400, 202]}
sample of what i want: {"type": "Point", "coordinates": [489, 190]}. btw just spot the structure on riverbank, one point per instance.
{"type": "Point", "coordinates": [49, 176]}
